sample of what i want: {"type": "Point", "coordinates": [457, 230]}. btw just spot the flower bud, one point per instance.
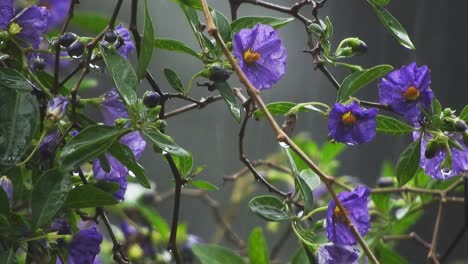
{"type": "Point", "coordinates": [135, 251]}
{"type": "Point", "coordinates": [67, 39]}
{"type": "Point", "coordinates": [7, 187]}
{"type": "Point", "coordinates": [187, 252]}
{"type": "Point", "coordinates": [432, 148]}
{"type": "Point", "coordinates": [57, 108]}
{"type": "Point", "coordinates": [384, 182]}
{"type": "Point", "coordinates": [350, 47]}
{"type": "Point", "coordinates": [219, 74]}
{"type": "Point", "coordinates": [151, 99]}
{"type": "Point", "coordinates": [110, 36]}
{"type": "Point", "coordinates": [76, 49]}
{"type": "Point", "coordinates": [460, 125]}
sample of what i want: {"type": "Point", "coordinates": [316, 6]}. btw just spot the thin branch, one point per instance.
{"type": "Point", "coordinates": [411, 236]}
{"type": "Point", "coordinates": [201, 104]}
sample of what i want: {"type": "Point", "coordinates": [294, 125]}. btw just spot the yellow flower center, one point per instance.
{"type": "Point", "coordinates": [411, 94]}
{"type": "Point", "coordinates": [348, 118]}
{"type": "Point", "coordinates": [251, 56]}
{"type": "Point", "coordinates": [14, 29]}
{"type": "Point", "coordinates": [340, 215]}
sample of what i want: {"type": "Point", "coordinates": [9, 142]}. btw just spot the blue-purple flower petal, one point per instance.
{"type": "Point", "coordinates": [7, 187]}
{"type": "Point", "coordinates": [337, 254]}
{"type": "Point", "coordinates": [7, 11]}
{"type": "Point", "coordinates": [58, 11]}
{"type": "Point", "coordinates": [33, 22]}
{"type": "Point", "coordinates": [84, 246]}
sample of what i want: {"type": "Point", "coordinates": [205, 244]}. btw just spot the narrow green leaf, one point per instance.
{"type": "Point", "coordinates": [408, 163]}
{"type": "Point", "coordinates": [214, 254]}
{"type": "Point", "coordinates": [164, 142]}
{"type": "Point", "coordinates": [387, 255]}
{"type": "Point", "coordinates": [191, 3]}
{"type": "Point", "coordinates": [392, 126]}
{"type": "Point", "coordinates": [436, 107]}
{"type": "Point", "coordinates": [381, 2]}
{"type": "Point", "coordinates": [146, 49]}
{"type": "Point", "coordinates": [48, 196]}
{"type": "Point", "coordinates": [19, 114]}
{"type": "Point", "coordinates": [248, 22]}
{"type": "Point", "coordinates": [276, 108]}
{"type": "Point", "coordinates": [158, 223]}
{"type": "Point", "coordinates": [90, 143]}
{"type": "Point", "coordinates": [125, 78]}
{"type": "Point", "coordinates": [464, 114]}
{"type": "Point", "coordinates": [302, 182]}
{"type": "Point", "coordinates": [228, 94]}
{"type": "Point", "coordinates": [174, 45]}
{"type": "Point", "coordinates": [174, 80]}
{"type": "Point", "coordinates": [258, 249]}
{"type": "Point", "coordinates": [125, 155]}
{"type": "Point", "coordinates": [88, 196]}
{"type": "Point", "coordinates": [8, 257]}
{"type": "Point", "coordinates": [11, 79]}
{"type": "Point", "coordinates": [204, 185]}
{"type": "Point", "coordinates": [300, 257]}
{"type": "Point", "coordinates": [393, 26]}
{"type": "Point", "coordinates": [192, 17]}
{"type": "Point", "coordinates": [222, 24]}
{"type": "Point", "coordinates": [91, 22]}
{"type": "Point", "coordinates": [269, 207]}
{"type": "Point", "coordinates": [184, 164]}
{"type": "Point", "coordinates": [311, 179]}
{"type": "Point", "coordinates": [358, 80]}
{"type": "Point", "coordinates": [382, 201]}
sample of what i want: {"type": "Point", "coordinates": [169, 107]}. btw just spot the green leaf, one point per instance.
{"type": "Point", "coordinates": [48, 196]}
{"type": "Point", "coordinates": [317, 29]}
{"type": "Point", "coordinates": [91, 22]}
{"type": "Point", "coordinates": [392, 126]}
{"type": "Point", "coordinates": [11, 79]}
{"type": "Point", "coordinates": [358, 80]}
{"type": "Point", "coordinates": [300, 257]}
{"type": "Point", "coordinates": [464, 114]}
{"type": "Point", "coordinates": [164, 142]}
{"type": "Point", "coordinates": [310, 178]}
{"type": "Point", "coordinates": [393, 26]}
{"type": "Point", "coordinates": [158, 223]}
{"type": "Point", "coordinates": [228, 94]}
{"type": "Point", "coordinates": [222, 24]}
{"type": "Point", "coordinates": [8, 257]}
{"type": "Point", "coordinates": [174, 45]}
{"type": "Point", "coordinates": [258, 249]}
{"type": "Point", "coordinates": [213, 254]}
{"type": "Point", "coordinates": [191, 3]}
{"type": "Point", "coordinates": [125, 78]}
{"type": "Point", "coordinates": [18, 118]}
{"type": "Point", "coordinates": [88, 196]}
{"type": "Point", "coordinates": [184, 164]}
{"type": "Point", "coordinates": [174, 80]}
{"type": "Point", "coordinates": [90, 143]}
{"type": "Point", "coordinates": [382, 201]}
{"type": "Point", "coordinates": [381, 2]}
{"type": "Point", "coordinates": [146, 49]}
{"type": "Point", "coordinates": [276, 108]}
{"type": "Point", "coordinates": [408, 163]}
{"type": "Point", "coordinates": [192, 17]}
{"type": "Point", "coordinates": [303, 181]}
{"type": "Point", "coordinates": [125, 155]}
{"type": "Point", "coordinates": [204, 185]}
{"type": "Point", "coordinates": [387, 255]}
{"type": "Point", "coordinates": [269, 207]}
{"type": "Point", "coordinates": [248, 22]}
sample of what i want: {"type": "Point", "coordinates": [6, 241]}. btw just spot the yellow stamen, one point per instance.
{"type": "Point", "coordinates": [14, 29]}
{"type": "Point", "coordinates": [411, 94]}
{"type": "Point", "coordinates": [251, 56]}
{"type": "Point", "coordinates": [348, 118]}
{"type": "Point", "coordinates": [340, 215]}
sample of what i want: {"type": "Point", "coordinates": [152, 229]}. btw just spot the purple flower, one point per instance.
{"type": "Point", "coordinates": [124, 45]}
{"type": "Point", "coordinates": [29, 24]}
{"type": "Point", "coordinates": [187, 252]}
{"type": "Point", "coordinates": [355, 204]}
{"type": "Point", "coordinates": [58, 11]}
{"type": "Point", "coordinates": [406, 88]}
{"type": "Point", "coordinates": [57, 108]}
{"type": "Point", "coordinates": [352, 124]}
{"type": "Point", "coordinates": [112, 107]}
{"type": "Point", "coordinates": [127, 229]}
{"type": "Point", "coordinates": [337, 254]}
{"type": "Point", "coordinates": [433, 166]}
{"type": "Point", "coordinates": [7, 187]}
{"type": "Point", "coordinates": [61, 226]}
{"type": "Point", "coordinates": [84, 246]}
{"type": "Point", "coordinates": [48, 145]}
{"type": "Point", "coordinates": [117, 174]}
{"type": "Point", "coordinates": [260, 55]}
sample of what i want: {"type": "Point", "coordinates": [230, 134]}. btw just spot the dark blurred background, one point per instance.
{"type": "Point", "coordinates": [438, 30]}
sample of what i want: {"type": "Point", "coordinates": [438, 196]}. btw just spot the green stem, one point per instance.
{"type": "Point", "coordinates": [316, 210]}
{"type": "Point", "coordinates": [34, 150]}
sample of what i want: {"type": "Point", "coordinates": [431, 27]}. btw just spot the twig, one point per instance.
{"type": "Point", "coordinates": [411, 236]}
{"type": "Point", "coordinates": [201, 104]}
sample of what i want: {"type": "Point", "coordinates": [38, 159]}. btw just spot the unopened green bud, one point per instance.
{"type": "Point", "coordinates": [350, 47]}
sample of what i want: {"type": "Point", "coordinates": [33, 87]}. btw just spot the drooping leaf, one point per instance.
{"type": "Point", "coordinates": [48, 196]}
{"type": "Point", "coordinates": [164, 142]}
{"type": "Point", "coordinates": [248, 22]}
{"type": "Point", "coordinates": [276, 108]}
{"type": "Point", "coordinates": [393, 26]}
{"type": "Point", "coordinates": [222, 24]}
{"type": "Point", "coordinates": [90, 143]}
{"type": "Point", "coordinates": [174, 80]}
{"type": "Point", "coordinates": [408, 162]}
{"type": "Point", "coordinates": [204, 185]}
{"type": "Point", "coordinates": [269, 207]}
{"type": "Point", "coordinates": [228, 94]}
{"type": "Point", "coordinates": [88, 196]}
{"type": "Point", "coordinates": [125, 155]}
{"type": "Point", "coordinates": [214, 254]}
{"type": "Point", "coordinates": [18, 118]}
{"type": "Point", "coordinates": [125, 78]}
{"type": "Point", "coordinates": [392, 126]}
{"type": "Point", "coordinates": [302, 182]}
{"type": "Point", "coordinates": [174, 45]}
{"type": "Point", "coordinates": [258, 249]}
{"type": "Point", "coordinates": [358, 80]}
{"type": "Point", "coordinates": [146, 49]}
